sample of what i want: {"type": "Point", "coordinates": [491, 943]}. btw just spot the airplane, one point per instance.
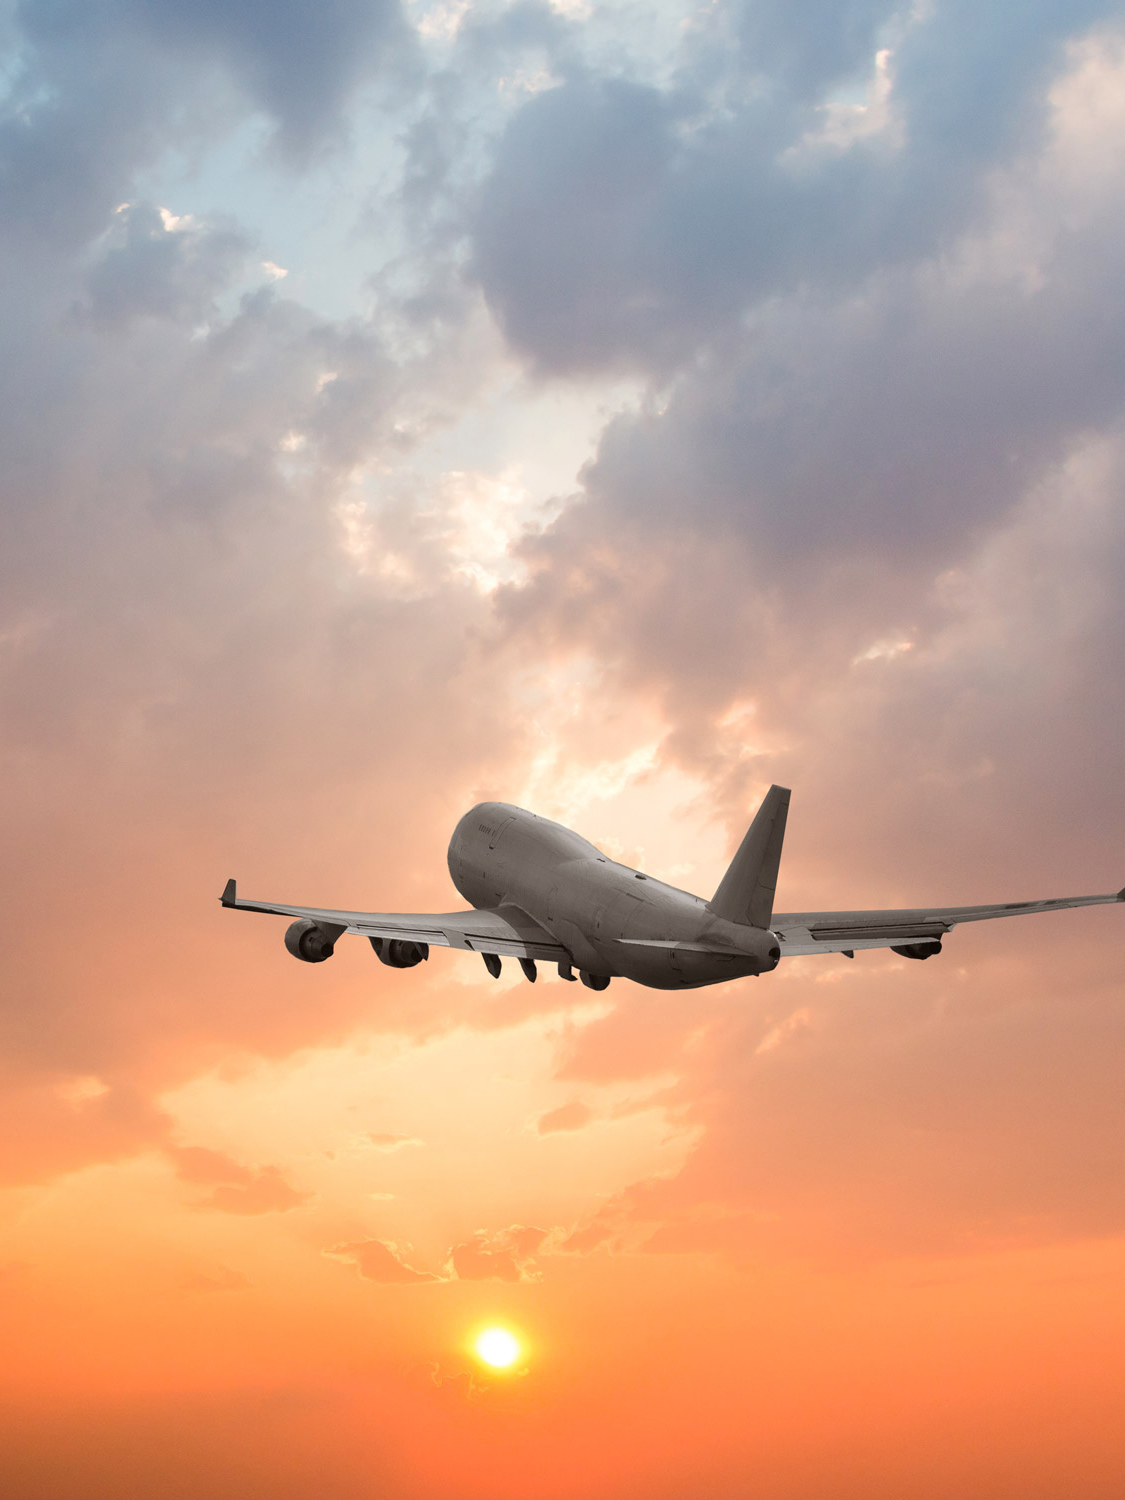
{"type": "Point", "coordinates": [540, 892]}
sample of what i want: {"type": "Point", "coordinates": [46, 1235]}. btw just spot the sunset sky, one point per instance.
{"type": "Point", "coordinates": [609, 408]}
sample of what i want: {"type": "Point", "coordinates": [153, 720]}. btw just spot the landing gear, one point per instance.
{"type": "Point", "coordinates": [566, 972]}
{"type": "Point", "coordinates": [594, 981]}
{"type": "Point", "coordinates": [529, 970]}
{"type": "Point", "coordinates": [492, 964]}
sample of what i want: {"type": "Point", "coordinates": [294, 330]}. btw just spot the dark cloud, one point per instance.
{"type": "Point", "coordinates": [152, 266]}
{"type": "Point", "coordinates": [801, 489]}
{"type": "Point", "coordinates": [804, 48]}
{"type": "Point", "coordinates": [298, 61]}
{"type": "Point", "coordinates": [565, 226]}
{"type": "Point", "coordinates": [628, 226]}
{"type": "Point", "coordinates": [98, 92]}
{"type": "Point", "coordinates": [821, 438]}
{"type": "Point", "coordinates": [87, 107]}
{"type": "Point", "coordinates": [975, 81]}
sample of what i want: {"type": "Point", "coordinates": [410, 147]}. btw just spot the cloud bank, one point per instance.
{"type": "Point", "coordinates": [651, 407]}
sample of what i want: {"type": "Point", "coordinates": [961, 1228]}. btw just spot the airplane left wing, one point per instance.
{"type": "Point", "coordinates": [920, 928]}
{"type": "Point", "coordinates": [505, 930]}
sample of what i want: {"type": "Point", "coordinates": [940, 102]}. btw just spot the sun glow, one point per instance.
{"type": "Point", "coordinates": [497, 1348]}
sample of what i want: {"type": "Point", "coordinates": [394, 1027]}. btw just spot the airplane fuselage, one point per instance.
{"type": "Point", "coordinates": [613, 920]}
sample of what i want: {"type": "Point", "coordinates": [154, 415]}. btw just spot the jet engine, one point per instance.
{"type": "Point", "coordinates": [919, 950]}
{"type": "Point", "coordinates": [310, 942]}
{"type": "Point", "coordinates": [399, 953]}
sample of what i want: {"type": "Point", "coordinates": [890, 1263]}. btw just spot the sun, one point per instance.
{"type": "Point", "coordinates": [497, 1348]}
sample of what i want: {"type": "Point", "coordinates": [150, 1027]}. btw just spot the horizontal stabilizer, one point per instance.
{"type": "Point", "coordinates": [746, 891]}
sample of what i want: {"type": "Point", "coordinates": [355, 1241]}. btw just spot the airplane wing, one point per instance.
{"type": "Point", "coordinates": [504, 930]}
{"type": "Point", "coordinates": [921, 928]}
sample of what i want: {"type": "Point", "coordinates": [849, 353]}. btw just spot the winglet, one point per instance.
{"type": "Point", "coordinates": [1121, 894]}
{"type": "Point", "coordinates": [230, 895]}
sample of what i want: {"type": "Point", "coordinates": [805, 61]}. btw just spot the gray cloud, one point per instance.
{"type": "Point", "coordinates": [796, 491]}
{"type": "Point", "coordinates": [629, 225]}
{"type": "Point", "coordinates": [150, 268]}
{"type": "Point", "coordinates": [298, 61]}
{"type": "Point", "coordinates": [87, 106]}
{"type": "Point", "coordinates": [804, 48]}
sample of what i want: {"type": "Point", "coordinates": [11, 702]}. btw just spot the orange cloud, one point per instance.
{"type": "Point", "coordinates": [572, 1116]}
{"type": "Point", "coordinates": [379, 1260]}
{"type": "Point", "coordinates": [504, 1256]}
{"type": "Point", "coordinates": [238, 1189]}
{"type": "Point", "coordinates": [387, 1141]}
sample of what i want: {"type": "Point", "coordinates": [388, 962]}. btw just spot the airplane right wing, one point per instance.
{"type": "Point", "coordinates": [919, 928]}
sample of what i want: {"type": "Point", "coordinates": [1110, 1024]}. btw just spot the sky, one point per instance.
{"type": "Point", "coordinates": [610, 409]}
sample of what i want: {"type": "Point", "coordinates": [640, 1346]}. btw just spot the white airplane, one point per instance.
{"type": "Point", "coordinates": [540, 892]}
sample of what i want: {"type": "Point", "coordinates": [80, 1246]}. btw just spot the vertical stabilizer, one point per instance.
{"type": "Point", "coordinates": [746, 891]}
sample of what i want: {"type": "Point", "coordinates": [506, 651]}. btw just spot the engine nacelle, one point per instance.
{"type": "Point", "coordinates": [310, 942]}
{"type": "Point", "coordinates": [927, 949]}
{"type": "Point", "coordinates": [399, 953]}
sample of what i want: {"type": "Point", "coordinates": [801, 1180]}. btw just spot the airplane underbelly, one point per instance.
{"type": "Point", "coordinates": [677, 968]}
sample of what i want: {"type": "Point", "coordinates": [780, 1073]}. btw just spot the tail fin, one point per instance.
{"type": "Point", "coordinates": [746, 891]}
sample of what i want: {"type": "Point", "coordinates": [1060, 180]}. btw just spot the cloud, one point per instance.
{"type": "Point", "coordinates": [964, 1128]}
{"type": "Point", "coordinates": [151, 267]}
{"type": "Point", "coordinates": [804, 49]}
{"type": "Point", "coordinates": [631, 226]}
{"type": "Point", "coordinates": [174, 533]}
{"type": "Point", "coordinates": [878, 391]}
{"type": "Point", "coordinates": [572, 1116]}
{"type": "Point", "coordinates": [829, 297]}
{"type": "Point", "coordinates": [386, 1141]}
{"type": "Point", "coordinates": [236, 1189]}
{"type": "Point", "coordinates": [298, 61]}
{"type": "Point", "coordinates": [503, 1256]}
{"type": "Point", "coordinates": [562, 229]}
{"type": "Point", "coordinates": [46, 1131]}
{"type": "Point", "coordinates": [379, 1260]}
{"type": "Point", "coordinates": [792, 496]}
